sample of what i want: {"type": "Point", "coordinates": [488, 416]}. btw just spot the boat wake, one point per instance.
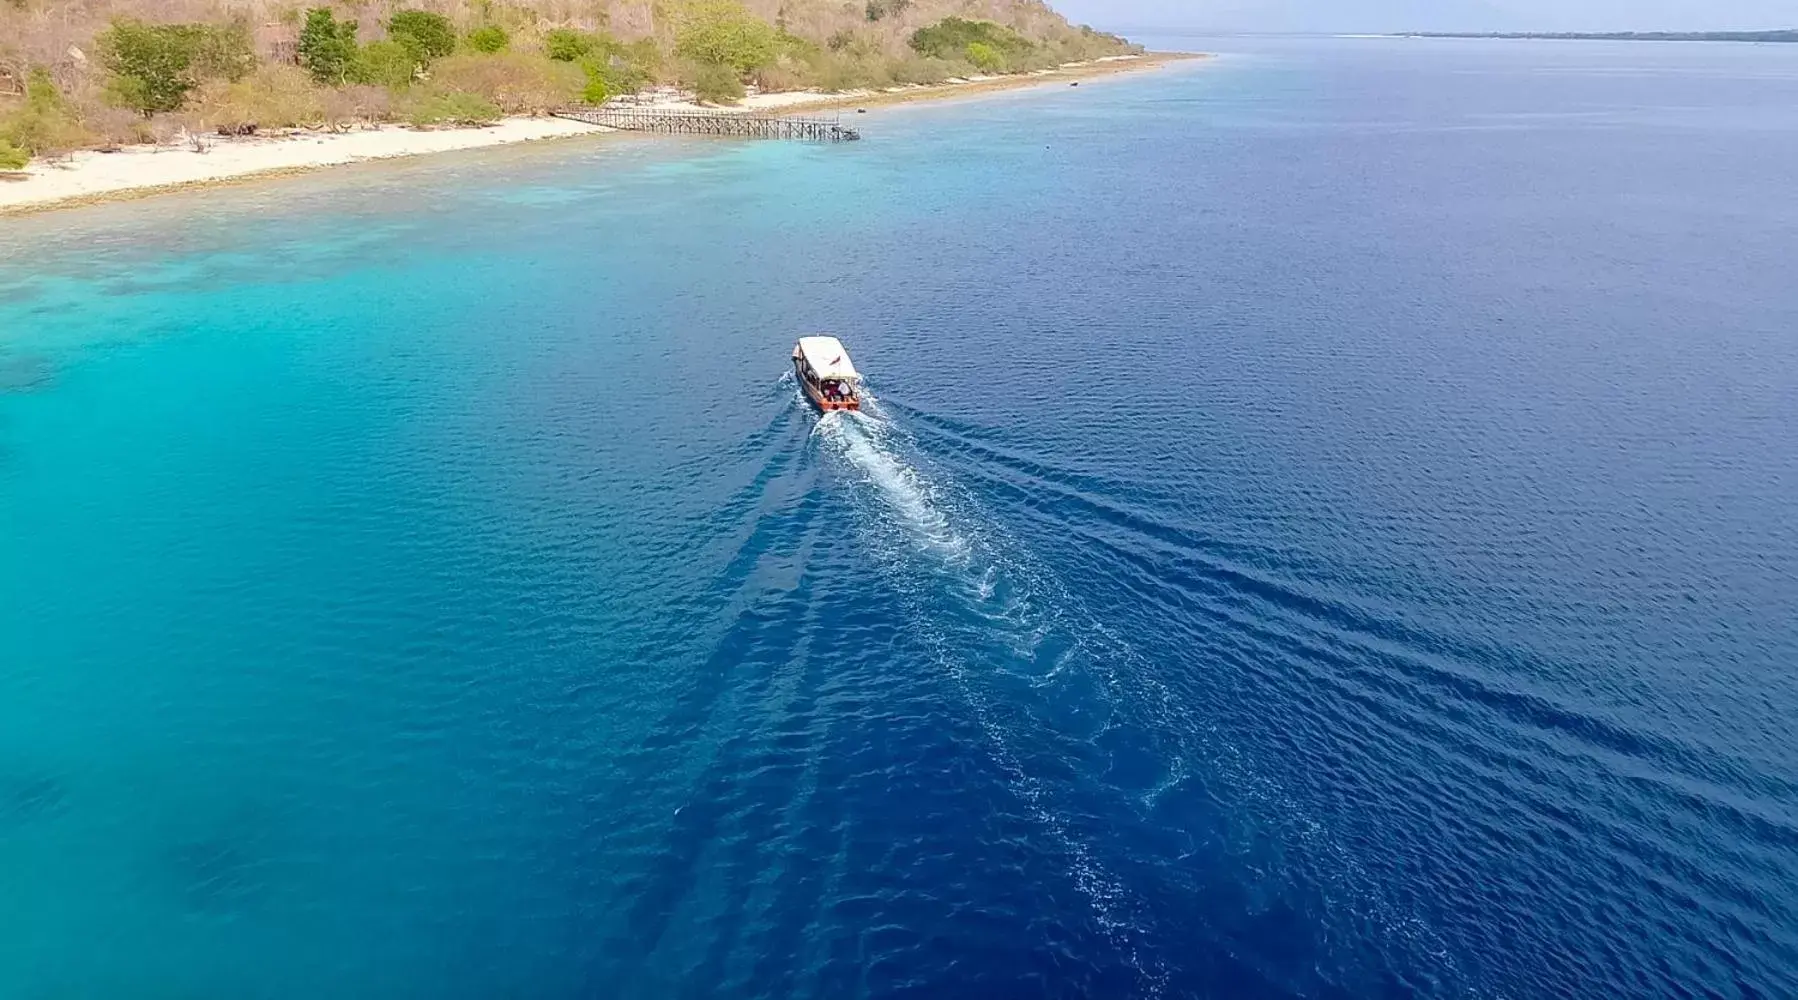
{"type": "Point", "coordinates": [858, 438]}
{"type": "Point", "coordinates": [992, 611]}
{"type": "Point", "coordinates": [1072, 712]}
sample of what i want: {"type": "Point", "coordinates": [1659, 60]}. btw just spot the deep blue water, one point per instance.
{"type": "Point", "coordinates": [1328, 528]}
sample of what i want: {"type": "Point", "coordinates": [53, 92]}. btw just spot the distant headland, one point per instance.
{"type": "Point", "coordinates": [1783, 35]}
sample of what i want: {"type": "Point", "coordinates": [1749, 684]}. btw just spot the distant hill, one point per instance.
{"type": "Point", "coordinates": [79, 73]}
{"type": "Point", "coordinates": [42, 32]}
{"type": "Point", "coordinates": [1785, 35]}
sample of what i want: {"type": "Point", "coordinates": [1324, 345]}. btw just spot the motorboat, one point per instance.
{"type": "Point", "coordinates": [828, 376]}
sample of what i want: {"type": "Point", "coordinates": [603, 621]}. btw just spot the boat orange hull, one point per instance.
{"type": "Point", "coordinates": [829, 404]}
{"type": "Point", "coordinates": [817, 396]}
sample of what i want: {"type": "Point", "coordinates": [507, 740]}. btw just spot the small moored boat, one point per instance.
{"type": "Point", "coordinates": [824, 369]}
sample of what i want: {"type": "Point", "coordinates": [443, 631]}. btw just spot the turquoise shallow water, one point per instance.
{"type": "Point", "coordinates": [1325, 529]}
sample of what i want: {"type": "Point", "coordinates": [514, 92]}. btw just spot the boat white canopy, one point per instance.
{"type": "Point", "coordinates": [826, 357]}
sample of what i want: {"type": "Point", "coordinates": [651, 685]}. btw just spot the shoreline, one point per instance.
{"type": "Point", "coordinates": [91, 177]}
{"type": "Point", "coordinates": [975, 86]}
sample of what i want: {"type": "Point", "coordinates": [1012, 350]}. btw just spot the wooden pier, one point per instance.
{"type": "Point", "coordinates": [718, 123]}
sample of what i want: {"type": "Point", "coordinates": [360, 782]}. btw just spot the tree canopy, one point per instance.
{"type": "Point", "coordinates": [155, 65]}
{"type": "Point", "coordinates": [716, 83]}
{"type": "Point", "coordinates": [985, 57]}
{"type": "Point", "coordinates": [43, 125]}
{"type": "Point", "coordinates": [327, 46]}
{"type": "Point", "coordinates": [951, 37]}
{"type": "Point", "coordinates": [387, 64]}
{"type": "Point", "coordinates": [429, 36]}
{"type": "Point", "coordinates": [569, 45]}
{"type": "Point", "coordinates": [725, 33]}
{"type": "Point", "coordinates": [489, 39]}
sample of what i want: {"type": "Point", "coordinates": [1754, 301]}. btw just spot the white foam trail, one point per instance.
{"type": "Point", "coordinates": [1116, 911]}
{"type": "Point", "coordinates": [1024, 606]}
{"type": "Point", "coordinates": [863, 441]}
{"type": "Point", "coordinates": [854, 436]}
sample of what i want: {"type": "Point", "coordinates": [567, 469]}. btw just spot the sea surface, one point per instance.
{"type": "Point", "coordinates": [1326, 526]}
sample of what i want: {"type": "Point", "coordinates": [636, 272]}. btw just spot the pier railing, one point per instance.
{"type": "Point", "coordinates": [670, 121]}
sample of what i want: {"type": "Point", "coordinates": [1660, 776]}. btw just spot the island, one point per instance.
{"type": "Point", "coordinates": [107, 99]}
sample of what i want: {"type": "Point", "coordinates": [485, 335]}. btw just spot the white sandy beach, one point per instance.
{"type": "Point", "coordinates": [89, 175]}
{"type": "Point", "coordinates": [94, 176]}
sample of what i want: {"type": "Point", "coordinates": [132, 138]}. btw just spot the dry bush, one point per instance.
{"type": "Point", "coordinates": [836, 72]}
{"type": "Point", "coordinates": [165, 129]}
{"type": "Point", "coordinates": [778, 79]}
{"type": "Point", "coordinates": [42, 122]}
{"type": "Point", "coordinates": [112, 127]}
{"type": "Point", "coordinates": [427, 107]}
{"type": "Point", "coordinates": [355, 104]}
{"type": "Point", "coordinates": [271, 97]}
{"type": "Point", "coordinates": [925, 70]}
{"type": "Point", "coordinates": [836, 77]}
{"type": "Point", "coordinates": [515, 82]}
{"type": "Point", "coordinates": [277, 97]}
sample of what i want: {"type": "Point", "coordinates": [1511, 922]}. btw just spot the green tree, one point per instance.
{"type": "Point", "coordinates": [429, 36]}
{"type": "Point", "coordinates": [622, 68]}
{"type": "Point", "coordinates": [569, 45]}
{"type": "Point", "coordinates": [220, 51]}
{"type": "Point", "coordinates": [596, 91]}
{"type": "Point", "coordinates": [44, 123]}
{"type": "Point", "coordinates": [725, 33]}
{"type": "Point", "coordinates": [950, 38]}
{"type": "Point", "coordinates": [327, 46]}
{"type": "Point", "coordinates": [715, 83]}
{"type": "Point", "coordinates": [12, 157]}
{"type": "Point", "coordinates": [985, 58]}
{"type": "Point", "coordinates": [40, 92]}
{"type": "Point", "coordinates": [642, 59]}
{"type": "Point", "coordinates": [490, 39]}
{"type": "Point", "coordinates": [155, 65]}
{"type": "Point", "coordinates": [386, 64]}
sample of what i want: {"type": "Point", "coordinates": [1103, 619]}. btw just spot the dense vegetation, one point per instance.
{"type": "Point", "coordinates": [985, 44]}
{"type": "Point", "coordinates": [79, 73]}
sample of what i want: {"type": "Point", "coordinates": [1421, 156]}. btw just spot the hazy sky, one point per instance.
{"type": "Point", "coordinates": [1434, 15]}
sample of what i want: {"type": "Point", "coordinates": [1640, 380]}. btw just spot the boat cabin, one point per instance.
{"type": "Point", "coordinates": [827, 374]}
